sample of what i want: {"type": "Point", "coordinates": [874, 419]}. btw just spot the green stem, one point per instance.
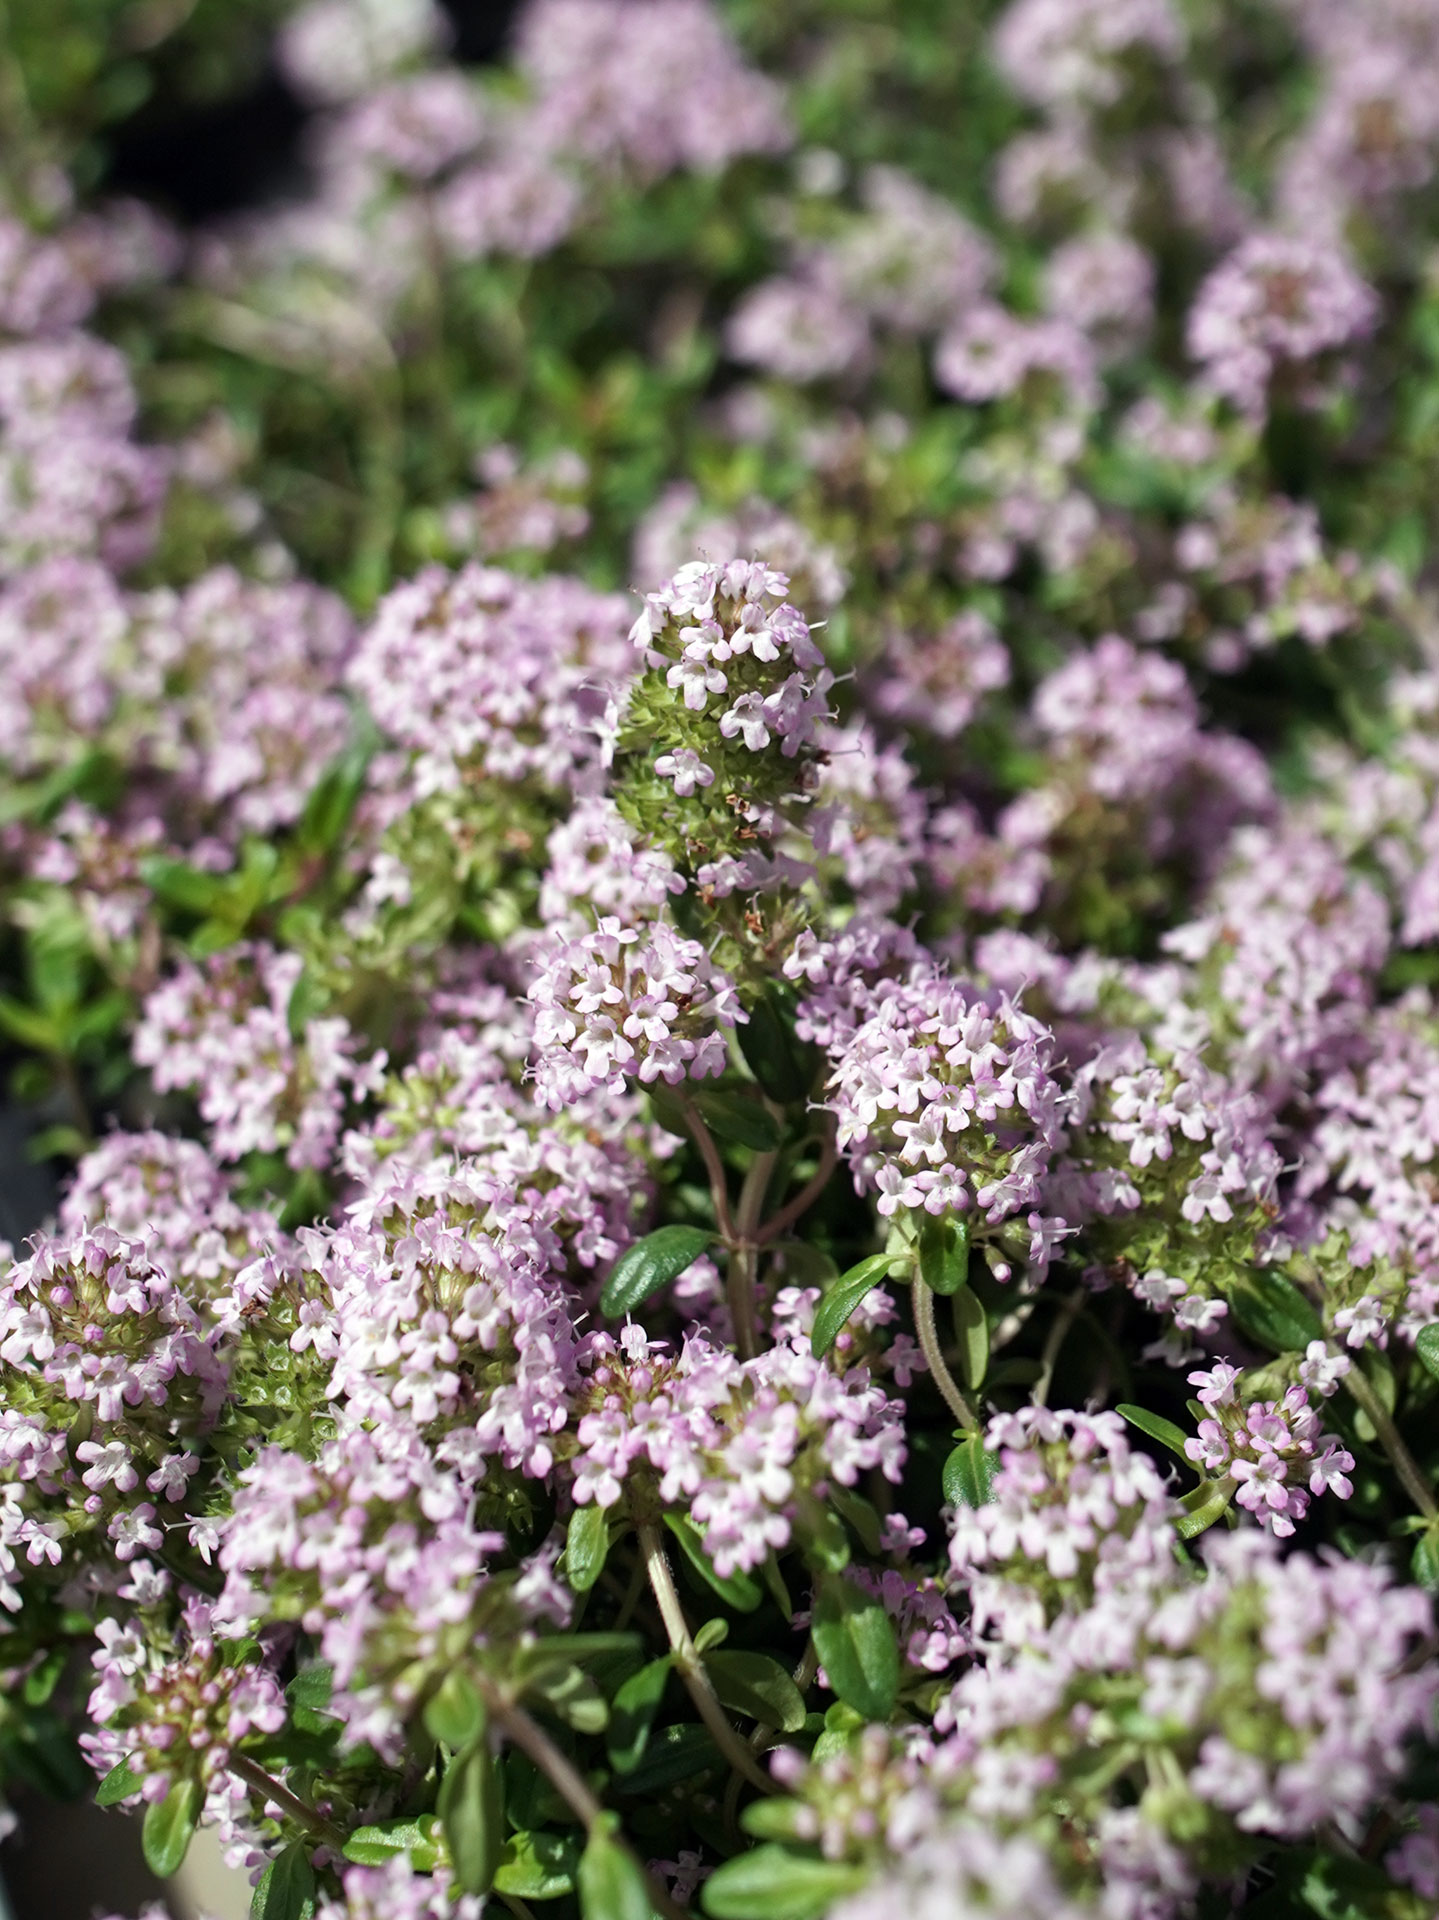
{"type": "Point", "coordinates": [532, 1740]}
{"type": "Point", "coordinates": [744, 1254]}
{"type": "Point", "coordinates": [714, 1167]}
{"type": "Point", "coordinates": [1404, 1463]}
{"type": "Point", "coordinates": [691, 1668]}
{"type": "Point", "coordinates": [1058, 1333]}
{"type": "Point", "coordinates": [929, 1345]}
{"type": "Point", "coordinates": [272, 1793]}
{"type": "Point", "coordinates": [807, 1195]}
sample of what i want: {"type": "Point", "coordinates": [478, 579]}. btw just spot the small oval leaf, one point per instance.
{"type": "Point", "coordinates": [737, 1590]}
{"type": "Point", "coordinates": [944, 1253]}
{"type": "Point", "coordinates": [611, 1881]}
{"type": "Point", "coordinates": [632, 1714]}
{"type": "Point", "coordinates": [1273, 1312]}
{"type": "Point", "coordinates": [372, 1846]}
{"type": "Point", "coordinates": [472, 1814]}
{"type": "Point", "coordinates": [756, 1685]}
{"type": "Point", "coordinates": [287, 1888]}
{"type": "Point", "coordinates": [773, 1882]}
{"type": "Point", "coordinates": [856, 1645]}
{"type": "Point", "coordinates": [1157, 1427]}
{"type": "Point", "coordinates": [587, 1546]}
{"type": "Point", "coordinates": [969, 1473]}
{"type": "Point", "coordinates": [843, 1297]}
{"type": "Point", "coordinates": [738, 1114]}
{"type": "Point", "coordinates": [1427, 1347]}
{"type": "Point", "coordinates": [119, 1783]}
{"type": "Point", "coordinates": [971, 1323]}
{"type": "Point", "coordinates": [537, 1866]}
{"type": "Point", "coordinates": [455, 1714]}
{"type": "Point", "coordinates": [650, 1264]}
{"type": "Point", "coordinates": [169, 1828]}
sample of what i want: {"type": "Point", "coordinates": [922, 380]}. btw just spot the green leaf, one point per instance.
{"type": "Point", "coordinates": [1203, 1505]}
{"type": "Point", "coordinates": [587, 1546]}
{"type": "Point", "coordinates": [755, 1685]}
{"type": "Point", "coordinates": [119, 1783]}
{"type": "Point", "coordinates": [1427, 1347]}
{"type": "Point", "coordinates": [944, 1253]}
{"type": "Point", "coordinates": [1425, 1560]}
{"type": "Point", "coordinates": [572, 1695]}
{"type": "Point", "coordinates": [170, 1827]}
{"type": "Point", "coordinates": [632, 1714]}
{"type": "Point", "coordinates": [420, 1839]}
{"type": "Point", "coordinates": [971, 1323]}
{"type": "Point", "coordinates": [774, 1883]}
{"type": "Point", "coordinates": [650, 1264]}
{"type": "Point", "coordinates": [1273, 1312]}
{"type": "Point", "coordinates": [675, 1753]}
{"type": "Point", "coordinates": [455, 1713]}
{"type": "Point", "coordinates": [472, 1813]}
{"type": "Point", "coordinates": [737, 1590]}
{"type": "Point", "coordinates": [843, 1297]}
{"type": "Point", "coordinates": [1157, 1427]}
{"type": "Point", "coordinates": [856, 1646]}
{"type": "Point", "coordinates": [537, 1866]}
{"type": "Point", "coordinates": [287, 1888]}
{"type": "Point", "coordinates": [969, 1472]}
{"type": "Point", "coordinates": [784, 1067]}
{"type": "Point", "coordinates": [737, 1114]}
{"type": "Point", "coordinates": [312, 1686]}
{"type": "Point", "coordinates": [611, 1881]}
{"type": "Point", "coordinates": [859, 1514]}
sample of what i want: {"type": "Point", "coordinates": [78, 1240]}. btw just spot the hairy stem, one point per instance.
{"type": "Point", "coordinates": [272, 1793]}
{"type": "Point", "coordinates": [929, 1345]}
{"type": "Point", "coordinates": [1404, 1463]}
{"type": "Point", "coordinates": [690, 1667]}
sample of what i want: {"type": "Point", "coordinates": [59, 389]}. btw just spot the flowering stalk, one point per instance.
{"type": "Point", "coordinates": [924, 1326]}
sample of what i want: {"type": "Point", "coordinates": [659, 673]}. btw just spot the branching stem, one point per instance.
{"type": "Point", "coordinates": [690, 1667]}
{"type": "Point", "coordinates": [273, 1794]}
